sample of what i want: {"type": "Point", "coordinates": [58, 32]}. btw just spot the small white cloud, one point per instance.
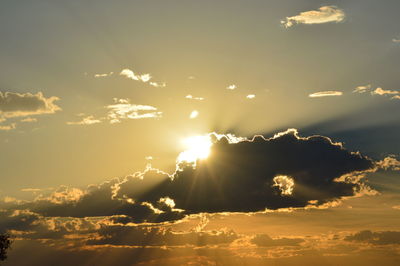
{"type": "Point", "coordinates": [103, 75]}
{"type": "Point", "coordinates": [231, 87]}
{"type": "Point", "coordinates": [325, 94]}
{"type": "Point", "coordinates": [251, 96]}
{"type": "Point", "coordinates": [194, 114]}
{"type": "Point", "coordinates": [380, 91]}
{"type": "Point", "coordinates": [89, 120]}
{"type": "Point", "coordinates": [191, 97]}
{"type": "Point", "coordinates": [141, 77]}
{"type": "Point", "coordinates": [362, 89]}
{"type": "Point", "coordinates": [324, 14]}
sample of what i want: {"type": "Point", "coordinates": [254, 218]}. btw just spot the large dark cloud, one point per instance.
{"type": "Point", "coordinates": [237, 177]}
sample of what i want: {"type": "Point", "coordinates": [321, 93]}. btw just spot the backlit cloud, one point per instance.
{"type": "Point", "coordinates": [324, 14]}
{"type": "Point", "coordinates": [141, 77]}
{"type": "Point", "coordinates": [88, 120]}
{"type": "Point", "coordinates": [325, 94]}
{"type": "Point", "coordinates": [362, 89]}
{"type": "Point", "coordinates": [382, 92]}
{"type": "Point", "coordinates": [103, 75]}
{"type": "Point", "coordinates": [13, 104]}
{"type": "Point", "coordinates": [123, 109]}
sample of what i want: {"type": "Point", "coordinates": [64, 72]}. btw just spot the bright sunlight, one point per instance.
{"type": "Point", "coordinates": [197, 148]}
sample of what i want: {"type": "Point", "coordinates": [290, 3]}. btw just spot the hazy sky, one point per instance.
{"type": "Point", "coordinates": [91, 91]}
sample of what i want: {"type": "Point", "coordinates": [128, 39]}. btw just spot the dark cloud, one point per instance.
{"type": "Point", "coordinates": [14, 104]}
{"type": "Point", "coordinates": [99, 201]}
{"type": "Point", "coordinates": [248, 176]}
{"type": "Point", "coordinates": [239, 177]}
{"type": "Point", "coordinates": [263, 240]}
{"type": "Point", "coordinates": [159, 236]}
{"type": "Point", "coordinates": [376, 238]}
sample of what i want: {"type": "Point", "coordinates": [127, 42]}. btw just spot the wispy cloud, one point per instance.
{"type": "Point", "coordinates": [88, 120]}
{"type": "Point", "coordinates": [141, 77]}
{"type": "Point", "coordinates": [123, 109]}
{"type": "Point", "coordinates": [29, 120]}
{"type": "Point", "coordinates": [103, 75]}
{"type": "Point", "coordinates": [325, 94]}
{"type": "Point", "coordinates": [191, 97]}
{"type": "Point", "coordinates": [324, 14]}
{"type": "Point", "coordinates": [362, 89]}
{"type": "Point", "coordinates": [251, 96]}
{"type": "Point", "coordinates": [380, 91]}
{"type": "Point", "coordinates": [8, 127]}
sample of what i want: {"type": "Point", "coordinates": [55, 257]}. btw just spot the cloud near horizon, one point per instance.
{"type": "Point", "coordinates": [324, 14]}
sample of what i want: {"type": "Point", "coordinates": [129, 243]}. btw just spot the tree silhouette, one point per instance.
{"type": "Point", "coordinates": [5, 243]}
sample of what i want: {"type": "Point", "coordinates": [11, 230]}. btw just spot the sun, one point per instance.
{"type": "Point", "coordinates": [197, 148]}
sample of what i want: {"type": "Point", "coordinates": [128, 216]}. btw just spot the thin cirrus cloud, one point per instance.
{"type": "Point", "coordinates": [325, 94]}
{"type": "Point", "coordinates": [362, 89]}
{"type": "Point", "coordinates": [103, 75]}
{"type": "Point", "coordinates": [123, 109]}
{"type": "Point", "coordinates": [88, 120]}
{"type": "Point", "coordinates": [324, 14]}
{"type": "Point", "coordinates": [145, 78]}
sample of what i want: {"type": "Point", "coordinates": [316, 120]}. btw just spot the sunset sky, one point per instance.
{"type": "Point", "coordinates": [198, 132]}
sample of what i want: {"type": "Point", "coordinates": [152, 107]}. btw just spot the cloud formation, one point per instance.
{"type": "Point", "coordinates": [362, 89]}
{"type": "Point", "coordinates": [13, 104]}
{"type": "Point", "coordinates": [123, 109]}
{"type": "Point", "coordinates": [376, 238]}
{"type": "Point", "coordinates": [88, 120]}
{"type": "Point", "coordinates": [324, 14]}
{"type": "Point", "coordinates": [141, 77]}
{"type": "Point", "coordinates": [325, 94]}
{"type": "Point", "coordinates": [379, 91]}
{"type": "Point", "coordinates": [285, 171]}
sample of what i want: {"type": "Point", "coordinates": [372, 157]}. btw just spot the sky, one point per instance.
{"type": "Point", "coordinates": [200, 132]}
